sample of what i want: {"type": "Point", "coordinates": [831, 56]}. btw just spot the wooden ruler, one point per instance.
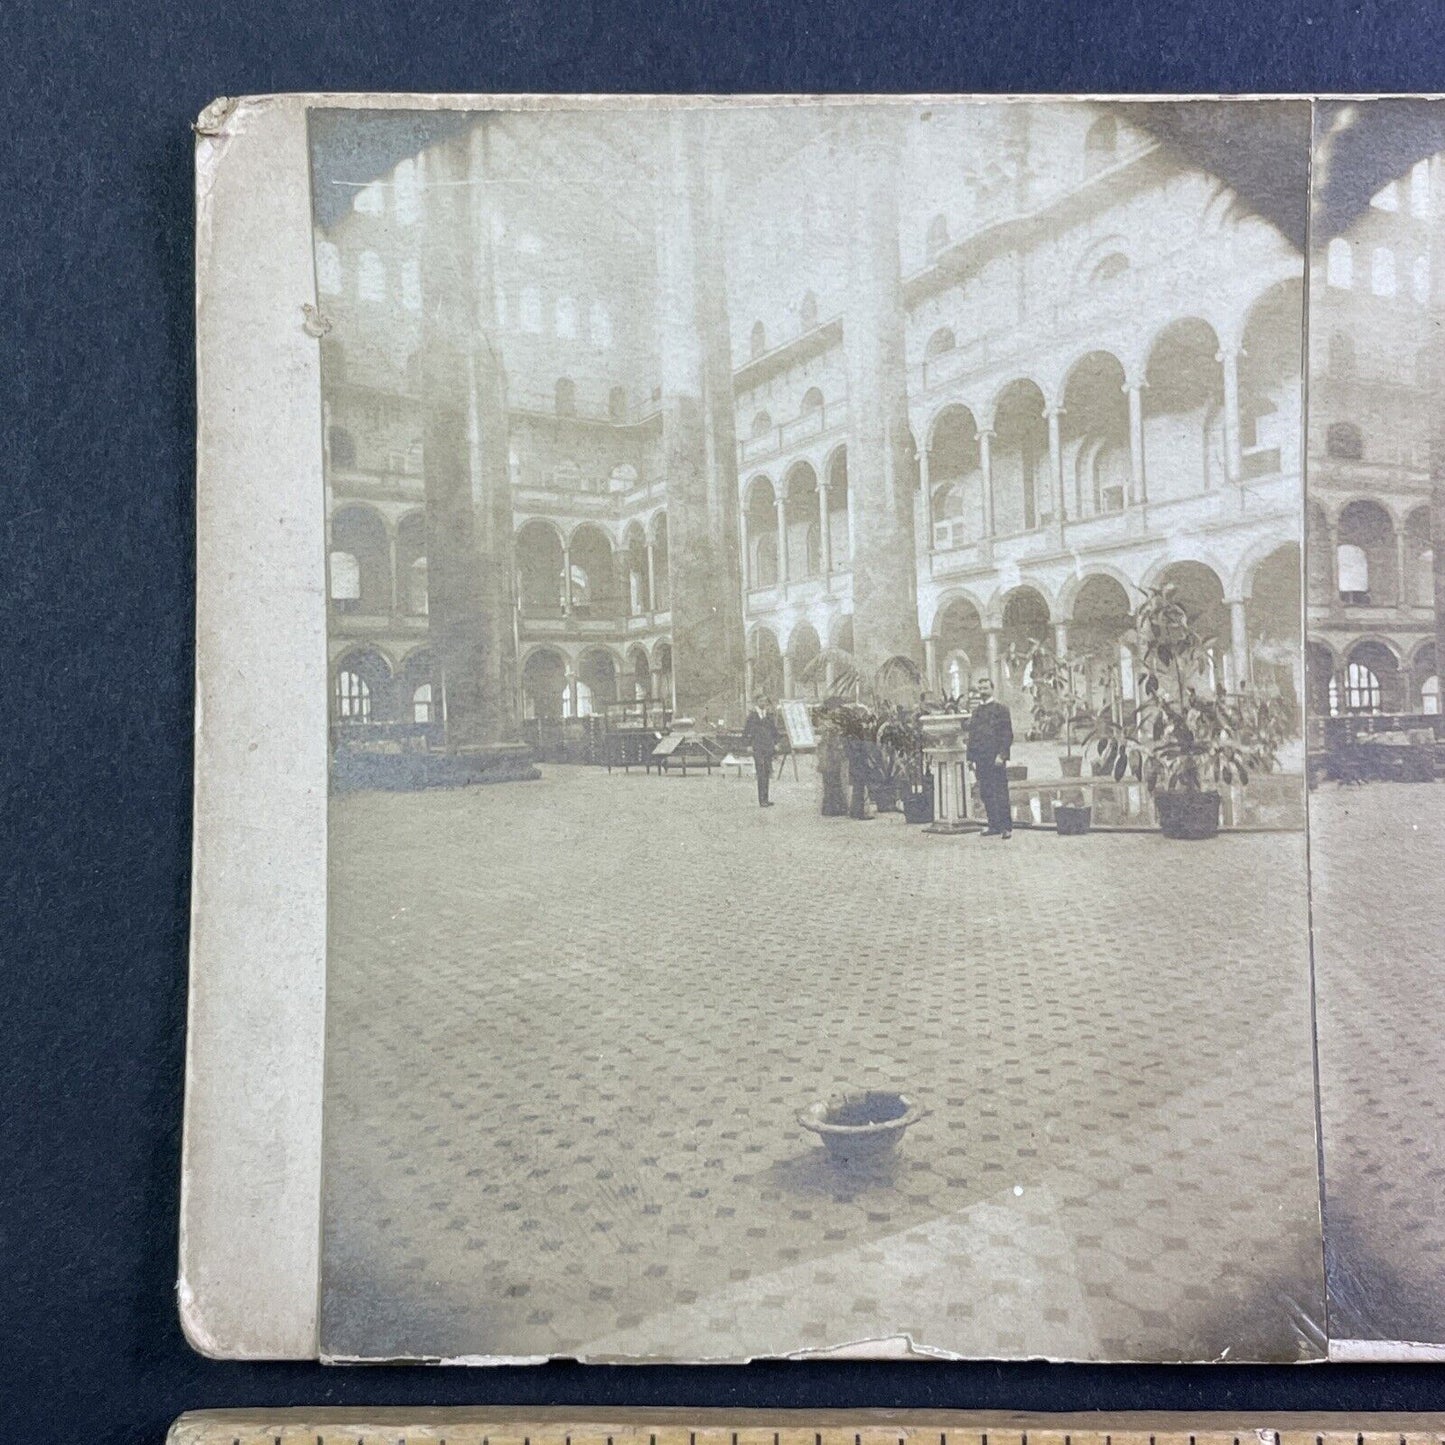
{"type": "Point", "coordinates": [420, 1426]}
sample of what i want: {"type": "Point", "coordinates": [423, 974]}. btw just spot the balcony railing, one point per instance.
{"type": "Point", "coordinates": [813, 423]}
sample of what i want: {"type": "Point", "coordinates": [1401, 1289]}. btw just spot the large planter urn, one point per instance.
{"type": "Point", "coordinates": [832, 765]}
{"type": "Point", "coordinates": [1184, 814]}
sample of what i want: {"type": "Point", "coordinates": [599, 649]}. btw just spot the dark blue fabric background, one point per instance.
{"type": "Point", "coordinates": [96, 423]}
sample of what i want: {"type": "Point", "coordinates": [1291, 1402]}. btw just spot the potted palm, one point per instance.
{"type": "Point", "coordinates": [1184, 739]}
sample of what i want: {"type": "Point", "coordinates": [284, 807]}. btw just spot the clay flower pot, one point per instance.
{"type": "Point", "coordinates": [861, 1127]}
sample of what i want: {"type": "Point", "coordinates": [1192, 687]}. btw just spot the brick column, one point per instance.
{"type": "Point", "coordinates": [470, 565]}
{"type": "Point", "coordinates": [885, 584]}
{"type": "Point", "coordinates": [699, 441]}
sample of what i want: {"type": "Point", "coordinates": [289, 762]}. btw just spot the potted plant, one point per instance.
{"type": "Point", "coordinates": [1055, 702]}
{"type": "Point", "coordinates": [1184, 739]}
{"type": "Point", "coordinates": [900, 739]}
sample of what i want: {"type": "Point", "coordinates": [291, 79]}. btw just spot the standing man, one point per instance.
{"type": "Point", "coordinates": [760, 733]}
{"type": "Point", "coordinates": [990, 738]}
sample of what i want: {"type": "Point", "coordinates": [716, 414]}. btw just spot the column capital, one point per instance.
{"type": "Point", "coordinates": [1053, 411]}
{"type": "Point", "coordinates": [1229, 351]}
{"type": "Point", "coordinates": [1134, 381]}
{"type": "Point", "coordinates": [984, 432]}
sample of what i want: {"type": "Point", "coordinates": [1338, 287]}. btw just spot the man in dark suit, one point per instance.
{"type": "Point", "coordinates": [990, 739]}
{"type": "Point", "coordinates": [760, 733]}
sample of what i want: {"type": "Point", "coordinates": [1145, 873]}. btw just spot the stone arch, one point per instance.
{"type": "Point", "coordinates": [765, 661]}
{"type": "Point", "coordinates": [639, 671]}
{"type": "Point", "coordinates": [1023, 493]}
{"type": "Point", "coordinates": [544, 673]}
{"type": "Point", "coordinates": [1094, 433]}
{"type": "Point", "coordinates": [539, 552]}
{"type": "Point", "coordinates": [760, 512]}
{"type": "Point", "coordinates": [594, 571]}
{"type": "Point", "coordinates": [411, 564]}
{"type": "Point", "coordinates": [804, 648]}
{"type": "Point", "coordinates": [801, 511]}
{"type": "Point", "coordinates": [1365, 524]}
{"type": "Point", "coordinates": [364, 584]}
{"type": "Point", "coordinates": [362, 687]}
{"type": "Point", "coordinates": [418, 688]}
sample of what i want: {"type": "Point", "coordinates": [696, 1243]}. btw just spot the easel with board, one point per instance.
{"type": "Point", "coordinates": [798, 725]}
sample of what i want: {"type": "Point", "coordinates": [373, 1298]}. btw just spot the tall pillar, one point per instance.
{"type": "Point", "coordinates": [1402, 563]}
{"type": "Point", "coordinates": [651, 577]}
{"type": "Point", "coordinates": [1137, 480]}
{"type": "Point", "coordinates": [1239, 644]}
{"type": "Point", "coordinates": [825, 541]}
{"type": "Point", "coordinates": [470, 565]}
{"type": "Point", "coordinates": [985, 462]}
{"type": "Point", "coordinates": [995, 667]}
{"type": "Point", "coordinates": [1056, 469]}
{"type": "Point", "coordinates": [1333, 531]}
{"type": "Point", "coordinates": [396, 597]}
{"type": "Point", "coordinates": [699, 441]}
{"type": "Point", "coordinates": [880, 488]}
{"type": "Point", "coordinates": [930, 664]}
{"type": "Point", "coordinates": [1228, 358]}
{"type": "Point", "coordinates": [782, 511]}
{"type": "Point", "coordinates": [566, 579]}
{"type": "Point", "coordinates": [925, 486]}
{"type": "Point", "coordinates": [787, 674]}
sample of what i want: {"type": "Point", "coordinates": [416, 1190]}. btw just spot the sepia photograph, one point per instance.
{"type": "Point", "coordinates": [1376, 598]}
{"type": "Point", "coordinates": [702, 480]}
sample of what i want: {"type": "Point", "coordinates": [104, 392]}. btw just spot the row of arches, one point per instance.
{"type": "Point", "coordinates": [800, 529]}
{"type": "Point", "coordinates": [556, 686]}
{"type": "Point", "coordinates": [1363, 558]}
{"type": "Point", "coordinates": [374, 571]}
{"type": "Point", "coordinates": [581, 572]}
{"type": "Point", "coordinates": [1372, 675]}
{"type": "Point", "coordinates": [365, 688]}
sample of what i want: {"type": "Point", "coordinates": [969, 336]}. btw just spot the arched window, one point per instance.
{"type": "Point", "coordinates": [758, 341]}
{"type": "Point", "coordinates": [564, 318]}
{"type": "Point", "coordinates": [1430, 695]}
{"type": "Point", "coordinates": [566, 396]}
{"type": "Point", "coordinates": [371, 277]}
{"type": "Point", "coordinates": [1342, 354]}
{"type": "Point", "coordinates": [352, 696]}
{"type": "Point", "coordinates": [812, 400]}
{"type": "Point", "coordinates": [1382, 271]}
{"type": "Point", "coordinates": [1353, 564]}
{"type": "Point", "coordinates": [1420, 279]}
{"type": "Point", "coordinates": [421, 704]}
{"type": "Point", "coordinates": [599, 323]}
{"type": "Point", "coordinates": [762, 424]}
{"type": "Point", "coordinates": [584, 700]}
{"type": "Point", "coordinates": [343, 448]}
{"type": "Point", "coordinates": [1362, 689]}
{"type": "Point", "coordinates": [937, 235]}
{"type": "Point", "coordinates": [530, 309]}
{"type": "Point", "coordinates": [411, 284]}
{"type": "Point", "coordinates": [808, 311]}
{"type": "Point", "coordinates": [1113, 266]}
{"type": "Point", "coordinates": [617, 404]}
{"type": "Point", "coordinates": [1340, 264]}
{"type": "Point", "coordinates": [939, 344]}
{"type": "Point", "coordinates": [1420, 189]}
{"type": "Point", "coordinates": [1343, 441]}
{"type": "Point", "coordinates": [345, 582]}
{"type": "Point", "coordinates": [328, 269]}
{"type": "Point", "coordinates": [416, 590]}
{"type": "Point", "coordinates": [1100, 144]}
{"type": "Point", "coordinates": [406, 192]}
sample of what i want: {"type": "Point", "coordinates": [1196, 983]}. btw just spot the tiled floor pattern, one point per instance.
{"type": "Point", "coordinates": [572, 1023]}
{"type": "Point", "coordinates": [1378, 854]}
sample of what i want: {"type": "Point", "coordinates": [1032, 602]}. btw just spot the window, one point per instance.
{"type": "Point", "coordinates": [1420, 189]}
{"type": "Point", "coordinates": [566, 396]}
{"type": "Point", "coordinates": [758, 342]}
{"type": "Point", "coordinates": [416, 592]}
{"type": "Point", "coordinates": [1353, 565]}
{"type": "Point", "coordinates": [1100, 144]}
{"type": "Point", "coordinates": [808, 311]}
{"type": "Point", "coordinates": [1430, 695]}
{"type": "Point", "coordinates": [371, 278]}
{"type": "Point", "coordinates": [328, 269]}
{"type": "Point", "coordinates": [345, 581]}
{"type": "Point", "coordinates": [1382, 271]}
{"type": "Point", "coordinates": [370, 200]}
{"type": "Point", "coordinates": [599, 322]}
{"type": "Point", "coordinates": [1342, 355]}
{"type": "Point", "coordinates": [617, 404]}
{"type": "Point", "coordinates": [812, 400]}
{"type": "Point", "coordinates": [584, 700]}
{"type": "Point", "coordinates": [530, 307]}
{"type": "Point", "coordinates": [1113, 266]}
{"type": "Point", "coordinates": [564, 318]}
{"type": "Point", "coordinates": [343, 448]}
{"type": "Point", "coordinates": [1343, 441]}
{"type": "Point", "coordinates": [406, 192]}
{"type": "Point", "coordinates": [1362, 689]}
{"type": "Point", "coordinates": [1420, 279]}
{"type": "Point", "coordinates": [937, 236]}
{"type": "Point", "coordinates": [353, 697]}
{"type": "Point", "coordinates": [762, 424]}
{"type": "Point", "coordinates": [421, 704]}
{"type": "Point", "coordinates": [1339, 264]}
{"type": "Point", "coordinates": [411, 284]}
{"type": "Point", "coordinates": [939, 344]}
{"type": "Point", "coordinates": [1387, 198]}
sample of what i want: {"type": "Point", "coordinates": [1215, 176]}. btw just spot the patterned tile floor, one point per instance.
{"type": "Point", "coordinates": [572, 1023]}
{"type": "Point", "coordinates": [1377, 854]}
